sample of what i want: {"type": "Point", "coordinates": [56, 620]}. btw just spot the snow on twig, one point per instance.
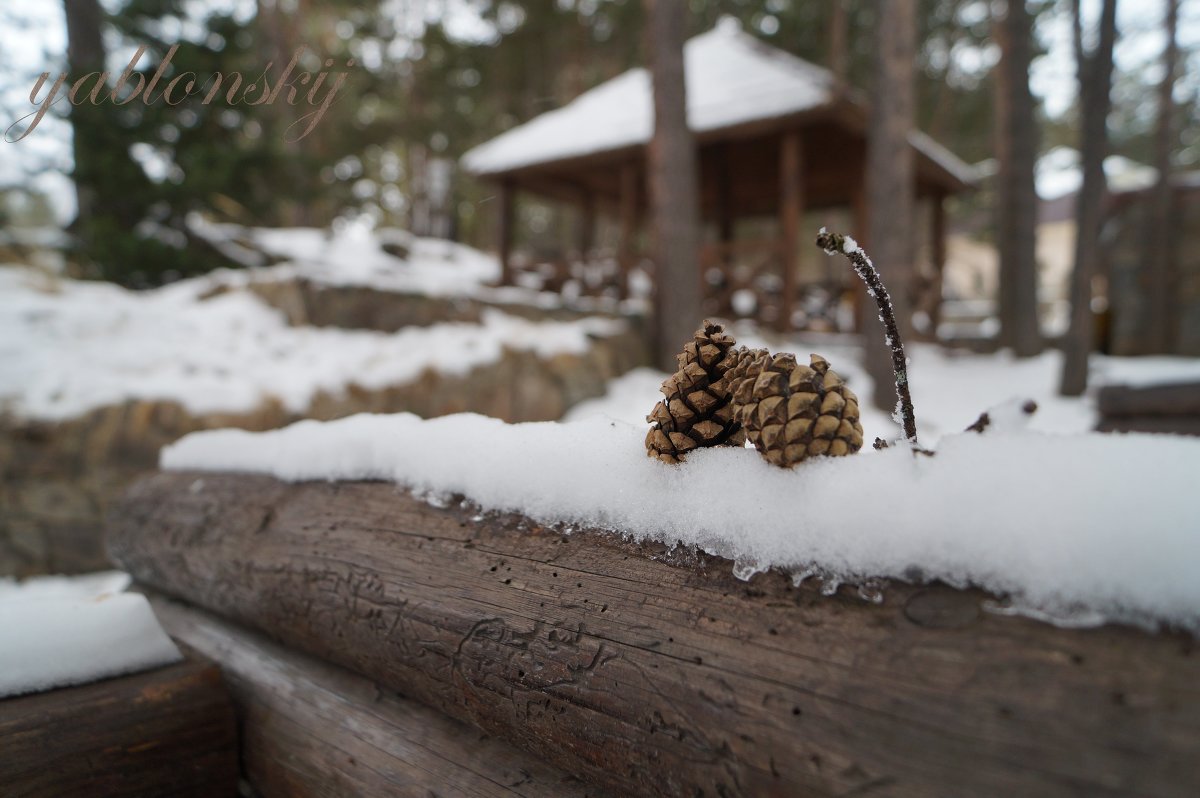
{"type": "Point", "coordinates": [837, 244]}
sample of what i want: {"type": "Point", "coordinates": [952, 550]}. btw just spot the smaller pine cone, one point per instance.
{"type": "Point", "coordinates": [696, 411]}
{"type": "Point", "coordinates": [791, 412]}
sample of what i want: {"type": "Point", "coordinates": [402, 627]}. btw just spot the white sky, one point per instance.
{"type": "Point", "coordinates": [1140, 42]}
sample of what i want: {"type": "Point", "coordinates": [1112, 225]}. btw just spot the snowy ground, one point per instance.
{"type": "Point", "coordinates": [70, 346]}
{"type": "Point", "coordinates": [950, 389]}
{"type": "Point", "coordinates": [1078, 529]}
{"type": "Point", "coordinates": [353, 254]}
{"type": "Point", "coordinates": [57, 631]}
{"type": "Point", "coordinates": [383, 259]}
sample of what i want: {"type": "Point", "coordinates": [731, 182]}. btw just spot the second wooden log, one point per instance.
{"type": "Point", "coordinates": [312, 729]}
{"type": "Point", "coordinates": [167, 731]}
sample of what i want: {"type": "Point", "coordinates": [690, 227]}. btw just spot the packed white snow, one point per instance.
{"type": "Point", "coordinates": [1059, 173]}
{"type": "Point", "coordinates": [949, 388]}
{"type": "Point", "coordinates": [69, 346]}
{"type": "Point", "coordinates": [352, 254]}
{"type": "Point", "coordinates": [355, 253]}
{"type": "Point", "coordinates": [57, 631]}
{"type": "Point", "coordinates": [1089, 523]}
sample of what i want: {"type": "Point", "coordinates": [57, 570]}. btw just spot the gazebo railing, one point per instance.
{"type": "Point", "coordinates": [598, 274]}
{"type": "Point", "coordinates": [741, 279]}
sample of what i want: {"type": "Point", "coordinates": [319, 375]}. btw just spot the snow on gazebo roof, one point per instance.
{"type": "Point", "coordinates": [1059, 174]}
{"type": "Point", "coordinates": [732, 79]}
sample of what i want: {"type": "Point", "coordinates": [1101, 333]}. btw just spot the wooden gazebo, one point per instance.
{"type": "Point", "coordinates": [776, 136]}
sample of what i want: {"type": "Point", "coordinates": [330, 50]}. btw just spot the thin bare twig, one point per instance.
{"type": "Point", "coordinates": [837, 244]}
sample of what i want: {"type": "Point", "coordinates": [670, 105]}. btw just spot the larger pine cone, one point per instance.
{"type": "Point", "coordinates": [697, 410]}
{"type": "Point", "coordinates": [791, 412]}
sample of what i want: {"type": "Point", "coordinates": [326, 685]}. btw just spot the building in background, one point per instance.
{"type": "Point", "coordinates": [778, 138]}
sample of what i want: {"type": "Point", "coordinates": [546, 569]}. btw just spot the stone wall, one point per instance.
{"type": "Point", "coordinates": [305, 302]}
{"type": "Point", "coordinates": [57, 479]}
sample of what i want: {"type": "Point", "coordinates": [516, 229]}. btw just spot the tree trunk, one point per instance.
{"type": "Point", "coordinates": [1159, 238]}
{"type": "Point", "coordinates": [277, 26]}
{"type": "Point", "coordinates": [891, 182]}
{"type": "Point", "coordinates": [85, 53]}
{"type": "Point", "coordinates": [839, 25]}
{"type": "Point", "coordinates": [673, 187]}
{"type": "Point", "coordinates": [1016, 194]}
{"type": "Point", "coordinates": [1095, 84]}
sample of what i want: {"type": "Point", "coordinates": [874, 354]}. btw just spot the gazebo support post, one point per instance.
{"type": "Point", "coordinates": [725, 212]}
{"type": "Point", "coordinates": [587, 225]}
{"type": "Point", "coordinates": [937, 248]}
{"type": "Point", "coordinates": [861, 226]}
{"type": "Point", "coordinates": [505, 232]}
{"type": "Point", "coordinates": [791, 211]}
{"type": "Point", "coordinates": [628, 211]}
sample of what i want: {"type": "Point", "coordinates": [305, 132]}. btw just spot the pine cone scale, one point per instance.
{"type": "Point", "coordinates": [791, 411]}
{"type": "Point", "coordinates": [696, 411]}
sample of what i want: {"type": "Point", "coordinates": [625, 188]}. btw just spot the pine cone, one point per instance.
{"type": "Point", "coordinates": [696, 411]}
{"type": "Point", "coordinates": [745, 364]}
{"type": "Point", "coordinates": [791, 412]}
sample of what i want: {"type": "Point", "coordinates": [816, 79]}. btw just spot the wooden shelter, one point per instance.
{"type": "Point", "coordinates": [776, 137]}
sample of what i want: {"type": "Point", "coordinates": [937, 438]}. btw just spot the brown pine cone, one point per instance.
{"type": "Point", "coordinates": [791, 412]}
{"type": "Point", "coordinates": [696, 411]}
{"type": "Point", "coordinates": [746, 363]}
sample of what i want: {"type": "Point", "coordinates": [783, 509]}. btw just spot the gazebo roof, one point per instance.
{"type": "Point", "coordinates": [733, 80]}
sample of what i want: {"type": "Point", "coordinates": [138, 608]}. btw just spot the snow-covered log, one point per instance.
{"type": "Point", "coordinates": [169, 731]}
{"type": "Point", "coordinates": [652, 672]}
{"type": "Point", "coordinates": [313, 729]}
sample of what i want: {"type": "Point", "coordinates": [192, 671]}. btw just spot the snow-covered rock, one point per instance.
{"type": "Point", "coordinates": [69, 346]}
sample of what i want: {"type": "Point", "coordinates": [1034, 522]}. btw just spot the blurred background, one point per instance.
{"type": "Point", "coordinates": [506, 209]}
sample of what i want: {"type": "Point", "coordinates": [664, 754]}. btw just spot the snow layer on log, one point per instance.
{"type": "Point", "coordinates": [1086, 528]}
{"type": "Point", "coordinates": [58, 631]}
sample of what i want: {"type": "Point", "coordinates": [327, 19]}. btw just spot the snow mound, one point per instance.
{"type": "Point", "coordinates": [950, 388]}
{"type": "Point", "coordinates": [1093, 527]}
{"type": "Point", "coordinates": [352, 255]}
{"type": "Point", "coordinates": [380, 259]}
{"type": "Point", "coordinates": [58, 631]}
{"type": "Point", "coordinates": [67, 347]}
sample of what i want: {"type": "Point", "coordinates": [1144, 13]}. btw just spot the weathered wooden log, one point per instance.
{"type": "Point", "coordinates": [169, 731]}
{"type": "Point", "coordinates": [1175, 425]}
{"type": "Point", "coordinates": [309, 728]}
{"type": "Point", "coordinates": [1177, 399]}
{"type": "Point", "coordinates": [659, 673]}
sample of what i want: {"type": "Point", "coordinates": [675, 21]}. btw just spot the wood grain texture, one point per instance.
{"type": "Point", "coordinates": [1176, 399]}
{"type": "Point", "coordinates": [1170, 425]}
{"type": "Point", "coordinates": [165, 732]}
{"type": "Point", "coordinates": [309, 728]}
{"type": "Point", "coordinates": [659, 673]}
